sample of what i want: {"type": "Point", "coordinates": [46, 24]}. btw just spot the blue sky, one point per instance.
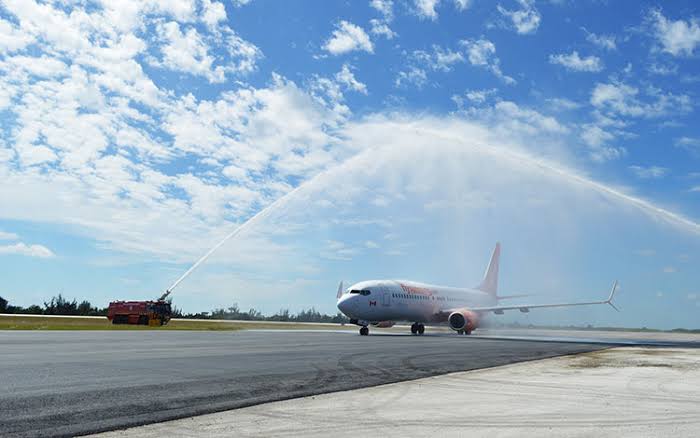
{"type": "Point", "coordinates": [135, 134]}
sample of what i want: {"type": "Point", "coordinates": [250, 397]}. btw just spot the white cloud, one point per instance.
{"type": "Point", "coordinates": [619, 99]}
{"type": "Point", "coordinates": [462, 5]}
{"type": "Point", "coordinates": [670, 270]}
{"type": "Point", "coordinates": [12, 39]}
{"type": "Point", "coordinates": [348, 37]}
{"type": "Point", "coordinates": [482, 53]}
{"type": "Point", "coordinates": [239, 3]}
{"type": "Point", "coordinates": [597, 139]}
{"type": "Point", "coordinates": [574, 62]}
{"type": "Point", "coordinates": [480, 96]}
{"type": "Point", "coordinates": [562, 103]}
{"type": "Point", "coordinates": [8, 236]}
{"type": "Point", "coordinates": [187, 52]}
{"type": "Point", "coordinates": [380, 28]}
{"type": "Point", "coordinates": [651, 172]}
{"type": "Point", "coordinates": [444, 59]}
{"type": "Point", "coordinates": [547, 124]}
{"type": "Point", "coordinates": [213, 12]}
{"type": "Point", "coordinates": [425, 9]}
{"type": "Point", "coordinates": [679, 38]}
{"type": "Point", "coordinates": [690, 144]}
{"type": "Point", "coordinates": [23, 249]}
{"type": "Point", "coordinates": [607, 42]}
{"type": "Point", "coordinates": [525, 20]}
{"type": "Point", "coordinates": [412, 76]}
{"type": "Point", "coordinates": [347, 78]}
{"type": "Point", "coordinates": [384, 7]}
{"type": "Point", "coordinates": [662, 69]}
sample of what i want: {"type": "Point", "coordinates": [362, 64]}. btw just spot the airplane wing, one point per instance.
{"type": "Point", "coordinates": [526, 307]}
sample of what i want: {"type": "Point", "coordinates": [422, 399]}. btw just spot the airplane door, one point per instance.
{"type": "Point", "coordinates": [386, 298]}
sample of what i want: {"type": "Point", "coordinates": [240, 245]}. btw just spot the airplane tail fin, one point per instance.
{"type": "Point", "coordinates": [340, 291]}
{"type": "Point", "coordinates": [490, 282]}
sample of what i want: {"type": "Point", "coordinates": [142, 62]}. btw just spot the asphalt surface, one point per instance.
{"type": "Point", "coordinates": [71, 383]}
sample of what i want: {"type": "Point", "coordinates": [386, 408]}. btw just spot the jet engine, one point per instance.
{"type": "Point", "coordinates": [463, 320]}
{"type": "Point", "coordinates": [383, 324]}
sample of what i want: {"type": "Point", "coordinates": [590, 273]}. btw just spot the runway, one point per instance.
{"type": "Point", "coordinates": [68, 383]}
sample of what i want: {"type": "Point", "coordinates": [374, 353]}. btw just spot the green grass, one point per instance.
{"type": "Point", "coordinates": [23, 322]}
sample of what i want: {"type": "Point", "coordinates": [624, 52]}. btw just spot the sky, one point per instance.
{"type": "Point", "coordinates": [385, 139]}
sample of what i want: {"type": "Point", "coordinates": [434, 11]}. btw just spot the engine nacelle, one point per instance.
{"type": "Point", "coordinates": [463, 320]}
{"type": "Point", "coordinates": [383, 324]}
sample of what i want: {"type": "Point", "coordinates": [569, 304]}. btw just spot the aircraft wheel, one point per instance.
{"type": "Point", "coordinates": [364, 331]}
{"type": "Point", "coordinates": [421, 329]}
{"type": "Point", "coordinates": [414, 329]}
{"type": "Point", "coordinates": [467, 332]}
{"type": "Point", "coordinates": [460, 332]}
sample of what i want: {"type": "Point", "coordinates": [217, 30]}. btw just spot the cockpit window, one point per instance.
{"type": "Point", "coordinates": [361, 292]}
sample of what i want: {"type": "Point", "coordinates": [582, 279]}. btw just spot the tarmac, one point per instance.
{"type": "Point", "coordinates": [65, 383]}
{"type": "Point", "coordinates": [630, 391]}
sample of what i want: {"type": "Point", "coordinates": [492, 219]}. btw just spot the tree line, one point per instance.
{"type": "Point", "coordinates": [60, 305]}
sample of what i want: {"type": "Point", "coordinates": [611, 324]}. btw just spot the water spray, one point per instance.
{"type": "Point", "coordinates": [254, 219]}
{"type": "Point", "coordinates": [260, 216]}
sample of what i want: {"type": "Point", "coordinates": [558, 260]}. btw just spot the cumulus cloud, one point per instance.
{"type": "Point", "coordinates": [188, 52]}
{"type": "Point", "coordinates": [23, 249]}
{"type": "Point", "coordinates": [12, 38]}
{"type": "Point", "coordinates": [475, 96]}
{"type": "Point", "coordinates": [425, 9]}
{"type": "Point", "coordinates": [346, 77]}
{"type": "Point", "coordinates": [620, 99]}
{"type": "Point", "coordinates": [574, 62]}
{"type": "Point", "coordinates": [380, 27]}
{"type": "Point", "coordinates": [607, 42]}
{"type": "Point", "coordinates": [525, 20]}
{"type": "Point", "coordinates": [651, 172]}
{"type": "Point", "coordinates": [384, 7]}
{"type": "Point", "coordinates": [482, 53]}
{"type": "Point", "coordinates": [412, 76]}
{"type": "Point", "coordinates": [679, 38]}
{"type": "Point", "coordinates": [348, 37]}
{"type": "Point", "coordinates": [598, 140]}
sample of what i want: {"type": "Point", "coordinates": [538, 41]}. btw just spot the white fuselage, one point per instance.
{"type": "Point", "coordinates": [398, 300]}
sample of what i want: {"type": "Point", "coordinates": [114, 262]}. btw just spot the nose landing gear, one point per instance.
{"type": "Point", "coordinates": [364, 331]}
{"type": "Point", "coordinates": [417, 329]}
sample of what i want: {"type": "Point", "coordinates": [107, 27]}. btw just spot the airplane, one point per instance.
{"type": "Point", "coordinates": [380, 303]}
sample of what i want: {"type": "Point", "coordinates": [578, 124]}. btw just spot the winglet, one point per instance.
{"type": "Point", "coordinates": [340, 290]}
{"type": "Point", "coordinates": [612, 294]}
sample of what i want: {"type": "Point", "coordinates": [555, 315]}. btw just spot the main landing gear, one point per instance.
{"type": "Point", "coordinates": [464, 332]}
{"type": "Point", "coordinates": [417, 329]}
{"type": "Point", "coordinates": [364, 331]}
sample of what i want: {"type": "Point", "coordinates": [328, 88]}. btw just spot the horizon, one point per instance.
{"type": "Point", "coordinates": [404, 139]}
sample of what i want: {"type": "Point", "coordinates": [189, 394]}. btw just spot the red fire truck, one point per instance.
{"type": "Point", "coordinates": [153, 313]}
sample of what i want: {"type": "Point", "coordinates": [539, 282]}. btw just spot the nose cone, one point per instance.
{"type": "Point", "coordinates": [346, 304]}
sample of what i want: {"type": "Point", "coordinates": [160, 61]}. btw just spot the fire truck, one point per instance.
{"type": "Point", "coordinates": [151, 313]}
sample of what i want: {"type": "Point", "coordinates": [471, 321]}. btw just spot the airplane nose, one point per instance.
{"type": "Point", "coordinates": [345, 304]}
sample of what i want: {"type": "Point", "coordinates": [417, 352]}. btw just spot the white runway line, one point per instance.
{"type": "Point", "coordinates": [611, 393]}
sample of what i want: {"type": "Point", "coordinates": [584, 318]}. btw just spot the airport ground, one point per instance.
{"type": "Point", "coordinates": [619, 392]}
{"type": "Point", "coordinates": [63, 383]}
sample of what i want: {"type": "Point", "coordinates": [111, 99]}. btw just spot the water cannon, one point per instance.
{"type": "Point", "coordinates": [165, 295]}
